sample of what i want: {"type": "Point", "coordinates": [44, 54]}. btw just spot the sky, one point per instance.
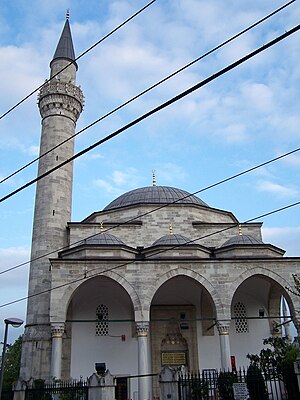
{"type": "Point", "coordinates": [244, 118]}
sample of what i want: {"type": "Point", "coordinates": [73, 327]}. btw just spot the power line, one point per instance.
{"type": "Point", "coordinates": [241, 173]}
{"type": "Point", "coordinates": [150, 88]}
{"type": "Point", "coordinates": [80, 56]}
{"type": "Point", "coordinates": [134, 261]}
{"type": "Point", "coordinates": [156, 109]}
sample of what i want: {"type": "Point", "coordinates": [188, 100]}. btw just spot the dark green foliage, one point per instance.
{"type": "Point", "coordinates": [12, 364]}
{"type": "Point", "coordinates": [277, 362]}
{"type": "Point", "coordinates": [256, 384]}
{"type": "Point", "coordinates": [199, 390]}
{"type": "Point", "coordinates": [225, 385]}
{"type": "Point", "coordinates": [38, 391]}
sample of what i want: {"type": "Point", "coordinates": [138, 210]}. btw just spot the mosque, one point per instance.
{"type": "Point", "coordinates": [157, 278]}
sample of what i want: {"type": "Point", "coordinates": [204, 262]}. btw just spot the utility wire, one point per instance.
{"type": "Point", "coordinates": [156, 109]}
{"type": "Point", "coordinates": [237, 175]}
{"type": "Point", "coordinates": [149, 89]}
{"type": "Point", "coordinates": [88, 276]}
{"type": "Point", "coordinates": [81, 55]}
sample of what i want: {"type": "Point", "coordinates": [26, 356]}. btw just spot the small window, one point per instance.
{"type": "Point", "coordinates": [240, 315]}
{"type": "Point", "coordinates": [102, 320]}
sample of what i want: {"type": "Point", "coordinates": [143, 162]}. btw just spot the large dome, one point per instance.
{"type": "Point", "coordinates": [154, 195]}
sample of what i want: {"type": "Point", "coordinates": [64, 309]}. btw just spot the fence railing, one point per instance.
{"type": "Point", "coordinates": [71, 390]}
{"type": "Point", "coordinates": [7, 394]}
{"type": "Point", "coordinates": [212, 384]}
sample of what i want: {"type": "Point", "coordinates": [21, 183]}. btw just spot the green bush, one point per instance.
{"type": "Point", "coordinates": [225, 385]}
{"type": "Point", "coordinates": [199, 390]}
{"type": "Point", "coordinates": [256, 384]}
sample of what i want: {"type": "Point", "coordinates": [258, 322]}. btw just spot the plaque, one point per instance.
{"type": "Point", "coordinates": [240, 391]}
{"type": "Point", "coordinates": [177, 358]}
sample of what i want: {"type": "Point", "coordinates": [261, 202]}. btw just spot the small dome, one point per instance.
{"type": "Point", "coordinates": [104, 239]}
{"type": "Point", "coordinates": [171, 240]}
{"type": "Point", "coordinates": [241, 240]}
{"type": "Point", "coordinates": [154, 195]}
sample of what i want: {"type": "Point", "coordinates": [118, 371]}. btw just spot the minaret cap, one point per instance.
{"type": "Point", "coordinates": [153, 178]}
{"type": "Point", "coordinates": [240, 230]}
{"type": "Point", "coordinates": [65, 48]}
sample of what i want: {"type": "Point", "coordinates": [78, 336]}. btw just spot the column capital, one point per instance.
{"type": "Point", "coordinates": [57, 330]}
{"type": "Point", "coordinates": [142, 328]}
{"type": "Point", "coordinates": [223, 327]}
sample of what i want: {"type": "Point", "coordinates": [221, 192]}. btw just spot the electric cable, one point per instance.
{"type": "Point", "coordinates": [148, 89]}
{"type": "Point", "coordinates": [80, 56]}
{"type": "Point", "coordinates": [155, 110]}
{"type": "Point", "coordinates": [84, 277]}
{"type": "Point", "coordinates": [220, 182]}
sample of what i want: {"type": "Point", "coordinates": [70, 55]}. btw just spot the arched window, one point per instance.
{"type": "Point", "coordinates": [240, 315]}
{"type": "Point", "coordinates": [102, 320]}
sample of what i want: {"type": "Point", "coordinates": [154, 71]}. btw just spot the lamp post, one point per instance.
{"type": "Point", "coordinates": [16, 323]}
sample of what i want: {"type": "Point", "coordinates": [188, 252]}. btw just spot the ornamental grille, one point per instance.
{"type": "Point", "coordinates": [240, 314]}
{"type": "Point", "coordinates": [102, 323]}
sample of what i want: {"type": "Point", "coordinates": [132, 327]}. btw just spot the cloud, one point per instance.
{"type": "Point", "coordinates": [119, 181]}
{"type": "Point", "coordinates": [258, 95]}
{"type": "Point", "coordinates": [233, 133]}
{"type": "Point", "coordinates": [108, 187]}
{"type": "Point", "coordinates": [10, 257]}
{"type": "Point", "coordinates": [33, 150]}
{"type": "Point", "coordinates": [277, 189]}
{"type": "Point", "coordinates": [170, 173]}
{"type": "Point", "coordinates": [287, 238]}
{"type": "Point", "coordinates": [293, 160]}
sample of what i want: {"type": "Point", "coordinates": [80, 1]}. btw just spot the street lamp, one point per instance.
{"type": "Point", "coordinates": [16, 323]}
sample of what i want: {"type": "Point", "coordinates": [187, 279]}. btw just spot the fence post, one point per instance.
{"type": "Point", "coordinates": [101, 387]}
{"type": "Point", "coordinates": [19, 389]}
{"type": "Point", "coordinates": [168, 384]}
{"type": "Point", "coordinates": [297, 370]}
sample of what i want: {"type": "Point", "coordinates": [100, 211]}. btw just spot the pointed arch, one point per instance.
{"type": "Point", "coordinates": [70, 291]}
{"type": "Point", "coordinates": [188, 272]}
{"type": "Point", "coordinates": [270, 275]}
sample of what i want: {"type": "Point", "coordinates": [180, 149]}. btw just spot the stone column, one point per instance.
{"type": "Point", "coordinates": [144, 360]}
{"type": "Point", "coordinates": [57, 332]}
{"type": "Point", "coordinates": [223, 329]}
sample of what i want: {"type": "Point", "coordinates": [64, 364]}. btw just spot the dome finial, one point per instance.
{"type": "Point", "coordinates": [240, 230]}
{"type": "Point", "coordinates": [101, 227]}
{"type": "Point", "coordinates": [68, 13]}
{"type": "Point", "coordinates": [171, 229]}
{"type": "Point", "coordinates": [153, 178]}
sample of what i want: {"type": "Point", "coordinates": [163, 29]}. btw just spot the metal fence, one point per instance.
{"type": "Point", "coordinates": [250, 384]}
{"type": "Point", "coordinates": [7, 394]}
{"type": "Point", "coordinates": [71, 390]}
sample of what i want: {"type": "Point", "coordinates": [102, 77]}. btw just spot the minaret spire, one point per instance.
{"type": "Point", "coordinates": [65, 48]}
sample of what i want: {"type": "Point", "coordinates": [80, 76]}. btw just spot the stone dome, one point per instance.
{"type": "Point", "coordinates": [242, 240]}
{"type": "Point", "coordinates": [104, 239]}
{"type": "Point", "coordinates": [171, 240]}
{"type": "Point", "coordinates": [154, 195]}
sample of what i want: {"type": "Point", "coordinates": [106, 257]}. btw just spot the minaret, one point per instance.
{"type": "Point", "coordinates": [60, 103]}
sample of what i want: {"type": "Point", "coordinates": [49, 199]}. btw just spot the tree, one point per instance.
{"type": "Point", "coordinates": [12, 363]}
{"type": "Point", "coordinates": [277, 361]}
{"type": "Point", "coordinates": [297, 285]}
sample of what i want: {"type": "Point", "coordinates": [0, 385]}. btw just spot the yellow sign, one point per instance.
{"type": "Point", "coordinates": [173, 358]}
